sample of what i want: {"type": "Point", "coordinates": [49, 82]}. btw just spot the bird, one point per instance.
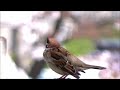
{"type": "Point", "coordinates": [61, 61]}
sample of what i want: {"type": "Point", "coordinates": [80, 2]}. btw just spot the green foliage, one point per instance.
{"type": "Point", "coordinates": [116, 33]}
{"type": "Point", "coordinates": [79, 46]}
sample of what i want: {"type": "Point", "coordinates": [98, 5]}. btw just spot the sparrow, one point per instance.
{"type": "Point", "coordinates": [63, 62]}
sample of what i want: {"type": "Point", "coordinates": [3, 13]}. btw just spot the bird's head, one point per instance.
{"type": "Point", "coordinates": [52, 43]}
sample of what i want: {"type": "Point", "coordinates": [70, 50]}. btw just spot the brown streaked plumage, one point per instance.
{"type": "Point", "coordinates": [63, 62]}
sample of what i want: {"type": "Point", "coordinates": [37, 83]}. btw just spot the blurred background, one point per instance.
{"type": "Point", "coordinates": [93, 36]}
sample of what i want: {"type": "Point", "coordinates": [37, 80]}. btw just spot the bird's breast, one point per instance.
{"type": "Point", "coordinates": [47, 55]}
{"type": "Point", "coordinates": [48, 59]}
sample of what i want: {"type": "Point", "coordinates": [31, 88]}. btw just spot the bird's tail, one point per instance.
{"type": "Point", "coordinates": [93, 67]}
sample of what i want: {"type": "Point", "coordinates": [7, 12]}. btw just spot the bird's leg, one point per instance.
{"type": "Point", "coordinates": [63, 77]}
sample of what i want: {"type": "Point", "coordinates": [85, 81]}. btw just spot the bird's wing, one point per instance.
{"type": "Point", "coordinates": [61, 62]}
{"type": "Point", "coordinates": [71, 58]}
{"type": "Point", "coordinates": [80, 65]}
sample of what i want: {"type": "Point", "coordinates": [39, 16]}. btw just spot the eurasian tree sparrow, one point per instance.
{"type": "Point", "coordinates": [63, 62]}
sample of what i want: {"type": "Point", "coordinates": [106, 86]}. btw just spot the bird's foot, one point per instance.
{"type": "Point", "coordinates": [63, 77]}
